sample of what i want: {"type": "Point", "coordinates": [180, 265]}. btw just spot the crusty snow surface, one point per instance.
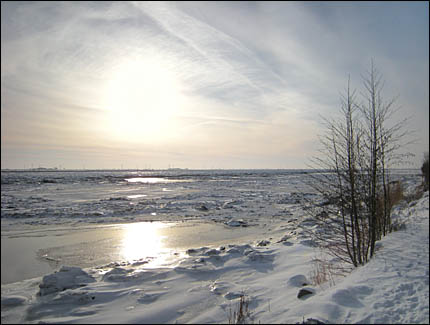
{"type": "Point", "coordinates": [206, 286]}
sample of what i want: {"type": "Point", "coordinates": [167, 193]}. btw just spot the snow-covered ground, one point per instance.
{"type": "Point", "coordinates": [205, 287]}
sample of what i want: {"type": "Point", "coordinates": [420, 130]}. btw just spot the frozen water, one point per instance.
{"type": "Point", "coordinates": [57, 197]}
{"type": "Point", "coordinates": [209, 281]}
{"type": "Point", "coordinates": [227, 196]}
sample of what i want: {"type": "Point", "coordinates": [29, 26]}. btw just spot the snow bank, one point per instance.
{"type": "Point", "coordinates": [392, 288]}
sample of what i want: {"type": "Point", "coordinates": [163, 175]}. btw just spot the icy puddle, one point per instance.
{"type": "Point", "coordinates": [32, 253]}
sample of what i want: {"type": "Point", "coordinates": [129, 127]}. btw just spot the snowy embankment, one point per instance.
{"type": "Point", "coordinates": [206, 286]}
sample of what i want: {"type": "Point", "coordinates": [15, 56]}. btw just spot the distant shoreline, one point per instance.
{"type": "Point", "coordinates": [170, 169]}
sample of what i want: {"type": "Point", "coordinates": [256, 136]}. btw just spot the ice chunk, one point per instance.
{"type": "Point", "coordinates": [68, 277]}
{"type": "Point", "coordinates": [236, 223]}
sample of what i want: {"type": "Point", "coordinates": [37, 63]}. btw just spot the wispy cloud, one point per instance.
{"type": "Point", "coordinates": [253, 75]}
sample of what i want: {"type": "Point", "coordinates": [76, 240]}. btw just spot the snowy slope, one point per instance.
{"type": "Point", "coordinates": [392, 288]}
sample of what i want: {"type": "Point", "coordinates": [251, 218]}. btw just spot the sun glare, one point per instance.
{"type": "Point", "coordinates": [142, 240]}
{"type": "Point", "coordinates": [142, 98]}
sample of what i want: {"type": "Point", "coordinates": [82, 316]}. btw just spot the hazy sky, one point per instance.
{"type": "Point", "coordinates": [198, 84]}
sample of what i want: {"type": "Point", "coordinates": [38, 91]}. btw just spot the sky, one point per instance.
{"type": "Point", "coordinates": [199, 84]}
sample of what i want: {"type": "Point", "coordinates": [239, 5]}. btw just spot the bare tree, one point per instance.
{"type": "Point", "coordinates": [341, 217]}
{"type": "Point", "coordinates": [357, 153]}
{"type": "Point", "coordinates": [383, 146]}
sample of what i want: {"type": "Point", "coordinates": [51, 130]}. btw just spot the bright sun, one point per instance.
{"type": "Point", "coordinates": [142, 98]}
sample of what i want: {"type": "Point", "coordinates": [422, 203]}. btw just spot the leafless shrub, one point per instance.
{"type": "Point", "coordinates": [358, 150]}
{"type": "Point", "coordinates": [425, 171]}
{"type": "Point", "coordinates": [396, 193]}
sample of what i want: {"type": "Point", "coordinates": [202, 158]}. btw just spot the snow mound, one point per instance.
{"type": "Point", "coordinates": [68, 277]}
{"type": "Point", "coordinates": [13, 300]}
{"type": "Point", "coordinates": [298, 280]}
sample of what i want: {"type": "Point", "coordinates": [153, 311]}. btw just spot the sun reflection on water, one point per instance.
{"type": "Point", "coordinates": [142, 240]}
{"type": "Point", "coordinates": [153, 180]}
{"type": "Point", "coordinates": [149, 180]}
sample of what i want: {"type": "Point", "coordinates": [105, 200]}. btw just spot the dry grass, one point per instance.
{"type": "Point", "coordinates": [395, 195]}
{"type": "Point", "coordinates": [321, 273]}
{"type": "Point", "coordinates": [242, 314]}
{"type": "Point", "coordinates": [327, 271]}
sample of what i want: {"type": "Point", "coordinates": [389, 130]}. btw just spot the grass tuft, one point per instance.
{"type": "Point", "coordinates": [242, 314]}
